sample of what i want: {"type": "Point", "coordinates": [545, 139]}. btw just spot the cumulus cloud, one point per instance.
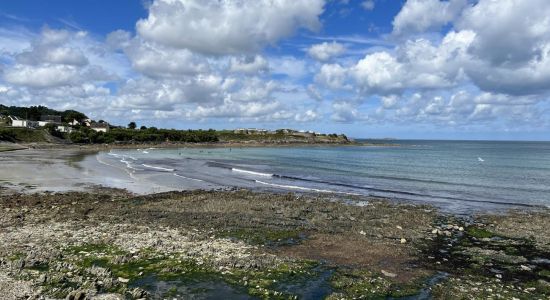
{"type": "Point", "coordinates": [55, 58]}
{"type": "Point", "coordinates": [158, 61]}
{"type": "Point", "coordinates": [346, 112]}
{"type": "Point", "coordinates": [227, 27]}
{"type": "Point", "coordinates": [417, 16]}
{"type": "Point", "coordinates": [249, 64]}
{"type": "Point", "coordinates": [332, 76]}
{"type": "Point", "coordinates": [326, 51]}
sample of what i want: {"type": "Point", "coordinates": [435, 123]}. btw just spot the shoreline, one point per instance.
{"type": "Point", "coordinates": [90, 242]}
{"type": "Point", "coordinates": [262, 245]}
{"type": "Point", "coordinates": [168, 145]}
{"type": "Point", "coordinates": [80, 169]}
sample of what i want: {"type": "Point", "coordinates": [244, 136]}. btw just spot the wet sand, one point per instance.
{"type": "Point", "coordinates": [73, 169]}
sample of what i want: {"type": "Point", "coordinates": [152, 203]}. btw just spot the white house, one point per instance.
{"type": "Point", "coordinates": [16, 122]}
{"type": "Point", "coordinates": [74, 122]}
{"type": "Point", "coordinates": [99, 127]}
{"type": "Point", "coordinates": [64, 129]}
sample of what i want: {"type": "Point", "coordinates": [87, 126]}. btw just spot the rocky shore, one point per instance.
{"type": "Point", "coordinates": [111, 244]}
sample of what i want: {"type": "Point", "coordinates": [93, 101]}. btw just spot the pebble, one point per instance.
{"type": "Point", "coordinates": [403, 241]}
{"type": "Point", "coordinates": [388, 274]}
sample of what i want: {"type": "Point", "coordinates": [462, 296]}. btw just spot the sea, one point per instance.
{"type": "Point", "coordinates": [462, 177]}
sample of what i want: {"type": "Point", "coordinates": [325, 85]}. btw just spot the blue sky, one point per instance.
{"type": "Point", "coordinates": [456, 69]}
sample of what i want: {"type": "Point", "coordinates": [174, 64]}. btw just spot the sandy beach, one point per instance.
{"type": "Point", "coordinates": [68, 232]}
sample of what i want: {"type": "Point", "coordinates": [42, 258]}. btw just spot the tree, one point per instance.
{"type": "Point", "coordinates": [143, 128]}
{"type": "Point", "coordinates": [70, 115]}
{"type": "Point", "coordinates": [132, 125]}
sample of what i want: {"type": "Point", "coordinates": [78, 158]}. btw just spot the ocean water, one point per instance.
{"type": "Point", "coordinates": [458, 176]}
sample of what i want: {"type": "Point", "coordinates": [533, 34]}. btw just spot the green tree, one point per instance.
{"type": "Point", "coordinates": [132, 125]}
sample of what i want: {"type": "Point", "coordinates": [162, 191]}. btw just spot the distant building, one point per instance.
{"type": "Point", "coordinates": [250, 131]}
{"type": "Point", "coordinates": [16, 122]}
{"type": "Point", "coordinates": [49, 119]}
{"type": "Point", "coordinates": [64, 129]}
{"type": "Point", "coordinates": [74, 122]}
{"type": "Point", "coordinates": [99, 127]}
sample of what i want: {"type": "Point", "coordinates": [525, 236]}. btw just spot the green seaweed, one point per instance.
{"type": "Point", "coordinates": [479, 233]}
{"type": "Point", "coordinates": [259, 236]}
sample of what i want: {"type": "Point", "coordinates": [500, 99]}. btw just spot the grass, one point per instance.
{"type": "Point", "coordinates": [22, 135]}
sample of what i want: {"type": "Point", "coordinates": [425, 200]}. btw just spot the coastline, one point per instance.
{"type": "Point", "coordinates": [111, 244]}
{"type": "Point", "coordinates": [74, 237]}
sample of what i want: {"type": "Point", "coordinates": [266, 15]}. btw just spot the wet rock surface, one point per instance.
{"type": "Point", "coordinates": [110, 244]}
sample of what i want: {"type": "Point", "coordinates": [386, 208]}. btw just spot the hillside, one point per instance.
{"type": "Point", "coordinates": [82, 134]}
{"type": "Point", "coordinates": [34, 113]}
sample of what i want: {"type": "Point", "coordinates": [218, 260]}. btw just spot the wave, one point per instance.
{"type": "Point", "coordinates": [293, 187]}
{"type": "Point", "coordinates": [158, 168]}
{"type": "Point", "coordinates": [121, 155]}
{"type": "Point", "coordinates": [184, 177]}
{"type": "Point", "coordinates": [251, 172]}
{"type": "Point", "coordinates": [398, 193]}
{"type": "Point", "coordinates": [107, 164]}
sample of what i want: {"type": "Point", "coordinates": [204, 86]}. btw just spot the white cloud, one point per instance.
{"type": "Point", "coordinates": [332, 76]}
{"type": "Point", "coordinates": [418, 16]}
{"type": "Point", "coordinates": [158, 61]}
{"type": "Point", "coordinates": [325, 51]}
{"type": "Point", "coordinates": [368, 4]}
{"type": "Point", "coordinates": [249, 64]}
{"type": "Point", "coordinates": [289, 66]}
{"type": "Point", "coordinates": [346, 112]}
{"type": "Point", "coordinates": [227, 27]}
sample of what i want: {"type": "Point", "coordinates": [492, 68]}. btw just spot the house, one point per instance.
{"type": "Point", "coordinates": [47, 119]}
{"type": "Point", "coordinates": [74, 122]}
{"type": "Point", "coordinates": [250, 131]}
{"type": "Point", "coordinates": [99, 127]}
{"type": "Point", "coordinates": [17, 122]}
{"type": "Point", "coordinates": [64, 129]}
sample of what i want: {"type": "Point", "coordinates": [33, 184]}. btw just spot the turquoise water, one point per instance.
{"type": "Point", "coordinates": [455, 175]}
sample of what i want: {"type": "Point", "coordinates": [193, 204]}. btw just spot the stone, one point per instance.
{"type": "Point", "coordinates": [388, 274]}
{"type": "Point", "coordinates": [525, 268]}
{"type": "Point", "coordinates": [123, 280]}
{"type": "Point", "coordinates": [403, 241]}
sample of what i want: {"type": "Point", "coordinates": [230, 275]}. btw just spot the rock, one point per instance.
{"type": "Point", "coordinates": [403, 241]}
{"type": "Point", "coordinates": [388, 274]}
{"type": "Point", "coordinates": [362, 232]}
{"type": "Point", "coordinates": [123, 280]}
{"type": "Point", "coordinates": [460, 228]}
{"type": "Point", "coordinates": [525, 268]}
{"type": "Point", "coordinates": [76, 295]}
{"type": "Point", "coordinates": [399, 227]}
{"type": "Point", "coordinates": [435, 231]}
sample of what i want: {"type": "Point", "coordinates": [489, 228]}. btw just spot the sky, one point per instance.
{"type": "Point", "coordinates": [417, 69]}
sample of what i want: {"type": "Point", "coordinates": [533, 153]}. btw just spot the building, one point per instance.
{"type": "Point", "coordinates": [250, 131]}
{"type": "Point", "coordinates": [47, 119]}
{"type": "Point", "coordinates": [74, 122]}
{"type": "Point", "coordinates": [64, 129]}
{"type": "Point", "coordinates": [17, 122]}
{"type": "Point", "coordinates": [99, 127]}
